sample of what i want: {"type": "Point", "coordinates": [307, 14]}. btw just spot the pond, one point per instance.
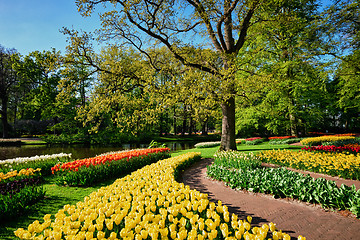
{"type": "Point", "coordinates": [78, 151]}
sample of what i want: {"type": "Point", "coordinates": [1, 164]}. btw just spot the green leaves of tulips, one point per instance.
{"type": "Point", "coordinates": [245, 172]}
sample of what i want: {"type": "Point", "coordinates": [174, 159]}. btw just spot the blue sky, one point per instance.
{"type": "Point", "coordinates": [30, 25]}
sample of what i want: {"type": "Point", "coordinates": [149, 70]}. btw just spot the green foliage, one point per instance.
{"type": "Point", "coordinates": [240, 172]}
{"type": "Point", "coordinates": [283, 77]}
{"type": "Point", "coordinates": [340, 143]}
{"type": "Point", "coordinates": [41, 73]}
{"type": "Point", "coordinates": [12, 204]}
{"type": "Point", "coordinates": [255, 142]}
{"type": "Point", "coordinates": [154, 144]}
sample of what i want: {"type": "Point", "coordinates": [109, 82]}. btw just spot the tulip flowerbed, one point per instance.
{"type": "Point", "coordinates": [330, 148]}
{"type": "Point", "coordinates": [324, 139]}
{"type": "Point", "coordinates": [207, 144]}
{"type": "Point", "coordinates": [284, 140]}
{"type": "Point", "coordinates": [242, 171]}
{"type": "Point", "coordinates": [86, 172]}
{"type": "Point", "coordinates": [253, 140]}
{"type": "Point", "coordinates": [148, 204]}
{"type": "Point", "coordinates": [18, 190]}
{"type": "Point", "coordinates": [280, 138]}
{"type": "Point", "coordinates": [334, 164]}
{"type": "Point", "coordinates": [45, 162]}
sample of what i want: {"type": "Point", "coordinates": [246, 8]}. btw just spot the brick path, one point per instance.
{"type": "Point", "coordinates": [291, 216]}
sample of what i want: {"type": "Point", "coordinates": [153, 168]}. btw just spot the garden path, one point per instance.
{"type": "Point", "coordinates": [291, 216]}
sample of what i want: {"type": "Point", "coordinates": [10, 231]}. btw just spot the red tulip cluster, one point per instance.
{"type": "Point", "coordinates": [284, 137]}
{"type": "Point", "coordinates": [105, 159]}
{"type": "Point", "coordinates": [352, 149]}
{"type": "Point", "coordinates": [253, 138]}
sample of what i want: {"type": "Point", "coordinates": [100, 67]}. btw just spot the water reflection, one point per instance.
{"type": "Point", "coordinates": [78, 151]}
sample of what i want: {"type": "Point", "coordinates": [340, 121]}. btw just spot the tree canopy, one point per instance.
{"type": "Point", "coordinates": [263, 67]}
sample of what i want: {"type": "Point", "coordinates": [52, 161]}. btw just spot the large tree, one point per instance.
{"type": "Point", "coordinates": [183, 26]}
{"type": "Point", "coordinates": [287, 53]}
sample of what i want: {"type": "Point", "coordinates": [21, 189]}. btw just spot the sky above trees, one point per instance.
{"type": "Point", "coordinates": [35, 25]}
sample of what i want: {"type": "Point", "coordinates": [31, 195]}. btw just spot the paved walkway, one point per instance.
{"type": "Point", "coordinates": [291, 216]}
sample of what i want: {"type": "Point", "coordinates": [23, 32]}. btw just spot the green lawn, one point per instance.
{"type": "Point", "coordinates": [58, 196]}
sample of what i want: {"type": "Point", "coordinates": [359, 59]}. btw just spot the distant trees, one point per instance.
{"type": "Point", "coordinates": [344, 23]}
{"type": "Point", "coordinates": [9, 80]}
{"type": "Point", "coordinates": [306, 91]}
{"type": "Point", "coordinates": [181, 66]}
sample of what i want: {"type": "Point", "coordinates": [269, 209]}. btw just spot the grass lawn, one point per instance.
{"type": "Point", "coordinates": [58, 196]}
{"type": "Point", "coordinates": [33, 142]}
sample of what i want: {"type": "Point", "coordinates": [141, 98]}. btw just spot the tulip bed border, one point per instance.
{"type": "Point", "coordinates": [45, 162]}
{"type": "Point", "coordinates": [243, 171]}
{"type": "Point", "coordinates": [148, 204]}
{"type": "Point", "coordinates": [335, 164]}
{"type": "Point", "coordinates": [18, 190]}
{"type": "Point", "coordinates": [86, 172]}
{"type": "Point", "coordinates": [325, 139]}
{"type": "Point", "coordinates": [350, 148]}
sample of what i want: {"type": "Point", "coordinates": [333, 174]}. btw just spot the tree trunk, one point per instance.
{"type": "Point", "coordinates": [228, 125]}
{"type": "Point", "coordinates": [204, 130]}
{"type": "Point", "coordinates": [174, 121]}
{"type": "Point", "coordinates": [183, 130]}
{"type": "Point", "coordinates": [191, 125]}
{"type": "Point", "coordinates": [4, 102]}
{"type": "Point", "coordinates": [293, 125]}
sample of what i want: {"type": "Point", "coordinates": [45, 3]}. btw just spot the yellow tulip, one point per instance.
{"type": "Point", "coordinates": [144, 233]}
{"type": "Point", "coordinates": [109, 224]}
{"type": "Point", "coordinates": [164, 232]}
{"type": "Point", "coordinates": [224, 229]}
{"type": "Point", "coordinates": [182, 234]}
{"type": "Point", "coordinates": [247, 226]}
{"type": "Point", "coordinates": [286, 237]}
{"type": "Point", "coordinates": [173, 235]}
{"type": "Point", "coordinates": [238, 234]}
{"type": "Point", "coordinates": [272, 227]}
{"type": "Point", "coordinates": [100, 235]}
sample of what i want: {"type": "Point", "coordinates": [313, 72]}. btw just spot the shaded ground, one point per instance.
{"type": "Point", "coordinates": [291, 216]}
